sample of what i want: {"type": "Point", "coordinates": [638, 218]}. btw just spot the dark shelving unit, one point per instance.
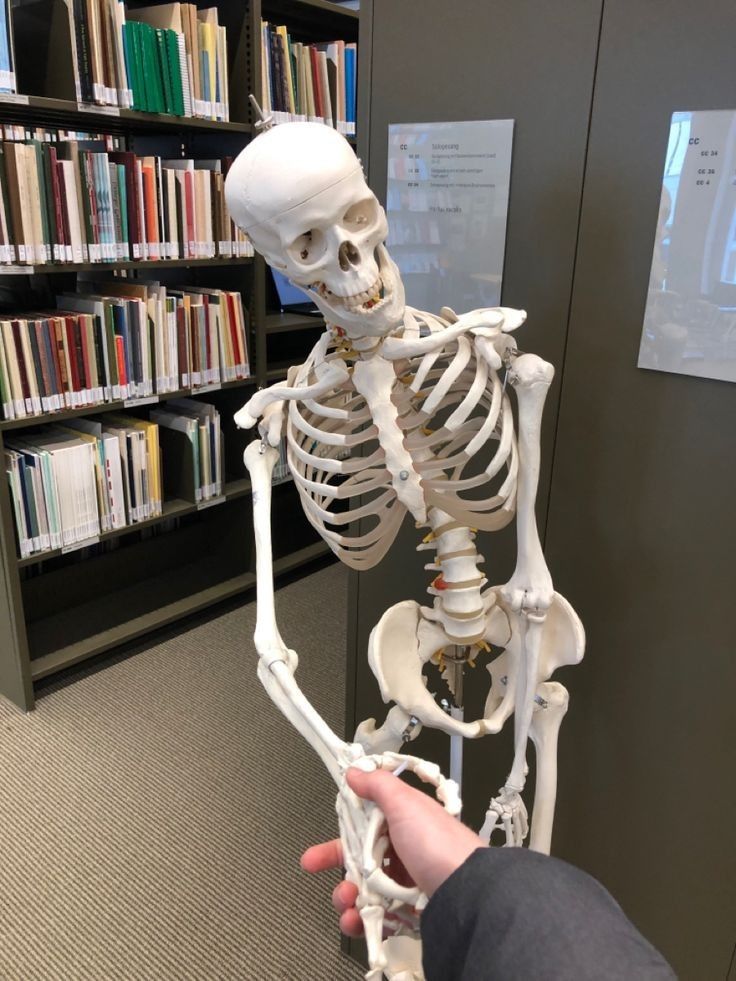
{"type": "Point", "coordinates": [147, 265]}
{"type": "Point", "coordinates": [64, 112]}
{"type": "Point", "coordinates": [61, 607]}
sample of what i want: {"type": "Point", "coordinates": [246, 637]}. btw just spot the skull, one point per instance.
{"type": "Point", "coordinates": [298, 191]}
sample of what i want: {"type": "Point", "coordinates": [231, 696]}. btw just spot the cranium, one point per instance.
{"type": "Point", "coordinates": [298, 191]}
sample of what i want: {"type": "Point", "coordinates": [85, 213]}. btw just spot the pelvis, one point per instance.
{"type": "Point", "coordinates": [403, 642]}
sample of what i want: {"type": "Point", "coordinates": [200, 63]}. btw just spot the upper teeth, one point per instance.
{"type": "Point", "coordinates": [358, 299]}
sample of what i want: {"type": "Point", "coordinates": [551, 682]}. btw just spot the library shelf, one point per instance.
{"type": "Point", "coordinates": [311, 19]}
{"type": "Point", "coordinates": [28, 422]}
{"type": "Point", "coordinates": [278, 372]}
{"type": "Point", "coordinates": [108, 631]}
{"type": "Point", "coordinates": [278, 323]}
{"type": "Point", "coordinates": [172, 508]}
{"type": "Point", "coordinates": [58, 613]}
{"type": "Point", "coordinates": [49, 268]}
{"type": "Point", "coordinates": [65, 113]}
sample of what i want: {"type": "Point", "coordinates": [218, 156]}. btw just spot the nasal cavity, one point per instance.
{"type": "Point", "coordinates": [348, 256]}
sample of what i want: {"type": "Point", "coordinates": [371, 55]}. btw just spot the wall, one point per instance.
{"type": "Point", "coordinates": [637, 494]}
{"type": "Point", "coordinates": [428, 65]}
{"type": "Point", "coordinates": [641, 530]}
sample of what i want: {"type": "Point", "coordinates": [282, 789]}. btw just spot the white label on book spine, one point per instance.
{"type": "Point", "coordinates": [98, 110]}
{"type": "Point", "coordinates": [211, 502]}
{"type": "Point", "coordinates": [145, 400]}
{"type": "Point", "coordinates": [95, 540]}
{"type": "Point", "coordinates": [19, 100]}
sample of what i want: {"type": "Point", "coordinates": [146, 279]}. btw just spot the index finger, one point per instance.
{"type": "Point", "coordinates": [318, 858]}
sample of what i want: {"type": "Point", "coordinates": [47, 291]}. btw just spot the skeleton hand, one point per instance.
{"type": "Point", "coordinates": [506, 813]}
{"type": "Point", "coordinates": [425, 838]}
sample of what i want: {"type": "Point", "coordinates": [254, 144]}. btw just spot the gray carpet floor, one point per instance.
{"type": "Point", "coordinates": [152, 813]}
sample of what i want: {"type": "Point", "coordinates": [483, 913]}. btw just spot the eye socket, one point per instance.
{"type": "Point", "coordinates": [361, 214]}
{"type": "Point", "coordinates": [308, 248]}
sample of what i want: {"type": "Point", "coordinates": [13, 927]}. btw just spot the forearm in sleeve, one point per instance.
{"type": "Point", "coordinates": [510, 914]}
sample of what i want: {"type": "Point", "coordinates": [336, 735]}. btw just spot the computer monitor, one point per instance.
{"type": "Point", "coordinates": [291, 299]}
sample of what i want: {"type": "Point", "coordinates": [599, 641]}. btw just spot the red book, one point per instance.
{"type": "Point", "coordinates": [64, 209]}
{"type": "Point", "coordinates": [71, 345]}
{"type": "Point", "coordinates": [25, 384]}
{"type": "Point", "coordinates": [232, 320]}
{"type": "Point", "coordinates": [207, 339]}
{"type": "Point", "coordinates": [149, 197]}
{"type": "Point", "coordinates": [120, 353]}
{"type": "Point", "coordinates": [59, 332]}
{"type": "Point", "coordinates": [87, 355]}
{"type": "Point", "coordinates": [46, 369]}
{"type": "Point", "coordinates": [316, 81]}
{"type": "Point", "coordinates": [50, 328]}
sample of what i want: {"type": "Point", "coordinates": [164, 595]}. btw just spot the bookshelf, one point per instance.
{"type": "Point", "coordinates": [62, 606]}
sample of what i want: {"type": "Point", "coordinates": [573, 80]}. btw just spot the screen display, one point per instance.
{"type": "Point", "coordinates": [690, 318]}
{"type": "Point", "coordinates": [446, 203]}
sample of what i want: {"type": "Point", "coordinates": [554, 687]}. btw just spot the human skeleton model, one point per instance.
{"type": "Point", "coordinates": [397, 410]}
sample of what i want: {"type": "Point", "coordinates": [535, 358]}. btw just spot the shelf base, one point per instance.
{"type": "Point", "coordinates": [136, 600]}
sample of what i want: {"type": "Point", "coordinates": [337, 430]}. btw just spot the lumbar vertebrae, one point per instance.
{"type": "Point", "coordinates": [397, 410]}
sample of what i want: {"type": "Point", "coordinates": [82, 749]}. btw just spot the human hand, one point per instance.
{"type": "Point", "coordinates": [428, 844]}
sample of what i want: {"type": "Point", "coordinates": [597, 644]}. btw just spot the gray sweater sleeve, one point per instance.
{"type": "Point", "coordinates": [510, 914]}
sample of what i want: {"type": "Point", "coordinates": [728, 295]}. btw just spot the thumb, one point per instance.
{"type": "Point", "coordinates": [394, 797]}
{"type": "Point", "coordinates": [430, 842]}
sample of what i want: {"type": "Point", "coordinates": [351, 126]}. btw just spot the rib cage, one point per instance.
{"type": "Point", "coordinates": [452, 408]}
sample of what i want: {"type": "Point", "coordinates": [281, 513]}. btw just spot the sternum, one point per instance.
{"type": "Point", "coordinates": [374, 379]}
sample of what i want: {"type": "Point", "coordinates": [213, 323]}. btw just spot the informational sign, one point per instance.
{"type": "Point", "coordinates": [447, 202]}
{"type": "Point", "coordinates": [690, 317]}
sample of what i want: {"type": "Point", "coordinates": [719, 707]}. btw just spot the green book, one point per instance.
{"type": "Point", "coordinates": [48, 180]}
{"type": "Point", "coordinates": [172, 45]}
{"type": "Point", "coordinates": [108, 325]}
{"type": "Point", "coordinates": [131, 35]}
{"type": "Point", "coordinates": [6, 201]}
{"type": "Point", "coordinates": [123, 195]}
{"type": "Point", "coordinates": [163, 65]}
{"type": "Point", "coordinates": [6, 393]}
{"type": "Point", "coordinates": [151, 70]}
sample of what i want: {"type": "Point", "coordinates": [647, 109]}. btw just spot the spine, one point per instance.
{"type": "Point", "coordinates": [458, 601]}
